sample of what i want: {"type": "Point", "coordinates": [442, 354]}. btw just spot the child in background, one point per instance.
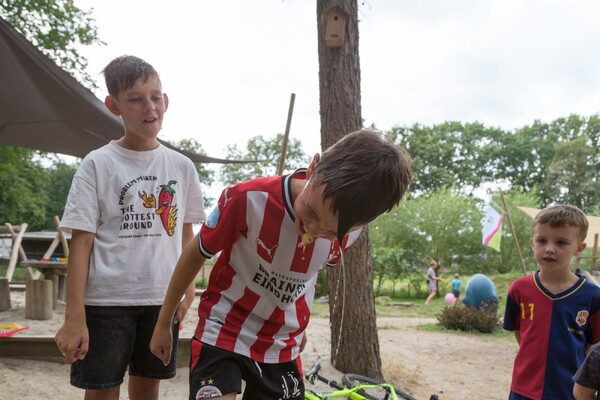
{"type": "Point", "coordinates": [553, 313]}
{"type": "Point", "coordinates": [130, 210]}
{"type": "Point", "coordinates": [456, 284]}
{"type": "Point", "coordinates": [274, 235]}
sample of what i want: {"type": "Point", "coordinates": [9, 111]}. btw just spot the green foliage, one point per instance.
{"type": "Point", "coordinates": [460, 317]}
{"type": "Point", "coordinates": [23, 196]}
{"type": "Point", "coordinates": [205, 174]}
{"type": "Point", "coordinates": [60, 175]}
{"type": "Point", "coordinates": [55, 27]}
{"type": "Point", "coordinates": [266, 153]}
{"type": "Point", "coordinates": [443, 224]}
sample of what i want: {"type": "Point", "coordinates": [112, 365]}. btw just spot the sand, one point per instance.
{"type": "Point", "coordinates": [453, 366]}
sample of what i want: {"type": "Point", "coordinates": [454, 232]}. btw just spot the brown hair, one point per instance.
{"type": "Point", "coordinates": [562, 215]}
{"type": "Point", "coordinates": [122, 73]}
{"type": "Point", "coordinates": [364, 175]}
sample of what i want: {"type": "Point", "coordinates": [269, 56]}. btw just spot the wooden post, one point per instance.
{"type": "Point", "coordinates": [514, 235]}
{"type": "Point", "coordinates": [286, 135]}
{"type": "Point", "coordinates": [594, 253]}
{"type": "Point", "coordinates": [4, 295]}
{"type": "Point", "coordinates": [38, 299]}
{"type": "Point", "coordinates": [16, 249]}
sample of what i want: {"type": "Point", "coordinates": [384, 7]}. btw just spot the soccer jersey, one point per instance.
{"type": "Point", "coordinates": [262, 286]}
{"type": "Point", "coordinates": [554, 330]}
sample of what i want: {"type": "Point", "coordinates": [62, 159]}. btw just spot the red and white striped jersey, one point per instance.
{"type": "Point", "coordinates": [262, 286]}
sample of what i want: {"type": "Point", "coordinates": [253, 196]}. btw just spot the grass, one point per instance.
{"type": "Point", "coordinates": [389, 307]}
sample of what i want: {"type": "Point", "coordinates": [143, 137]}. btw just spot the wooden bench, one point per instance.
{"type": "Point", "coordinates": [53, 271]}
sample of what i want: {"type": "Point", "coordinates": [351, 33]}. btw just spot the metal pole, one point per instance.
{"type": "Point", "coordinates": [286, 136]}
{"type": "Point", "coordinates": [514, 235]}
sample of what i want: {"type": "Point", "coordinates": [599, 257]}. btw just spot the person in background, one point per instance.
{"type": "Point", "coordinates": [587, 377]}
{"type": "Point", "coordinates": [432, 280]}
{"type": "Point", "coordinates": [456, 285]}
{"type": "Point", "coordinates": [130, 210]}
{"type": "Point", "coordinates": [554, 314]}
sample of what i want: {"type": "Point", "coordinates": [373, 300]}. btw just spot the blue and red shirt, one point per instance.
{"type": "Point", "coordinates": [554, 330]}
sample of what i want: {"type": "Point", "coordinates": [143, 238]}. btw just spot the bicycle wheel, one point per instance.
{"type": "Point", "coordinates": [353, 380]}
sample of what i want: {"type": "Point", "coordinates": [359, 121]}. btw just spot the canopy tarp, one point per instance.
{"type": "Point", "coordinates": [593, 229]}
{"type": "Point", "coordinates": [44, 108]}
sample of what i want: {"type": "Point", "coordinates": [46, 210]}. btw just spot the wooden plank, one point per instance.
{"type": "Point", "coordinates": [43, 348]}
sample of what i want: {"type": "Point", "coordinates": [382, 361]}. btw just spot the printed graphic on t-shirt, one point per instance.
{"type": "Point", "coordinates": [140, 216]}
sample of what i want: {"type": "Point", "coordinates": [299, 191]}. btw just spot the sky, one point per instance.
{"type": "Point", "coordinates": [230, 67]}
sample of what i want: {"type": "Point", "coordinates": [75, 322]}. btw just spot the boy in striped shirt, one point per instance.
{"type": "Point", "coordinates": [274, 235]}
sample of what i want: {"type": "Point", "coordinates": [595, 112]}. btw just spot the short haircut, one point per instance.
{"type": "Point", "coordinates": [364, 175]}
{"type": "Point", "coordinates": [563, 215]}
{"type": "Point", "coordinates": [122, 73]}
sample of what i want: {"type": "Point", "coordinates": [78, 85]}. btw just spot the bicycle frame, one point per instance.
{"type": "Point", "coordinates": [350, 393]}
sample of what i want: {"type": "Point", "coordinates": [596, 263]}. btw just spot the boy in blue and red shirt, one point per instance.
{"type": "Point", "coordinates": [553, 313]}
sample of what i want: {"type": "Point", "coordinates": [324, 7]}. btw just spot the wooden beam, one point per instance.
{"type": "Point", "coordinates": [43, 348]}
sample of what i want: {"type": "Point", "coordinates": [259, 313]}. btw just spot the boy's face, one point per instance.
{"type": "Point", "coordinates": [313, 214]}
{"type": "Point", "coordinates": [142, 108]}
{"type": "Point", "coordinates": [553, 248]}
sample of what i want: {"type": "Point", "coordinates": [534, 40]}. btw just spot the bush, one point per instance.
{"type": "Point", "coordinates": [463, 318]}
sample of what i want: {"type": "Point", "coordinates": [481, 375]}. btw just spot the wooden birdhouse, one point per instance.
{"type": "Point", "coordinates": [335, 27]}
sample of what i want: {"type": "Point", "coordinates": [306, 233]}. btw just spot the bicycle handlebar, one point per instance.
{"type": "Point", "coordinates": [314, 374]}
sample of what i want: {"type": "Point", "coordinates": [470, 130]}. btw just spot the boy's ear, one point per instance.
{"type": "Point", "coordinates": [580, 248]}
{"type": "Point", "coordinates": [166, 100]}
{"type": "Point", "coordinates": [112, 106]}
{"type": "Point", "coordinates": [313, 165]}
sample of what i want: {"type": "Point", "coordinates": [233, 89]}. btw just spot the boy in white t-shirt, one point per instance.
{"type": "Point", "coordinates": [130, 210]}
{"type": "Point", "coordinates": [274, 235]}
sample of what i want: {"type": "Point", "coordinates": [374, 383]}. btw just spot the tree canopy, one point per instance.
{"type": "Point", "coordinates": [56, 27]}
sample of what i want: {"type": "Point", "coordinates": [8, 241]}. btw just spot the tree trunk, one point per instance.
{"type": "Point", "coordinates": [354, 341]}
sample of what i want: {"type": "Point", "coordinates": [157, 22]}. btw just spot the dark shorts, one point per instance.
{"type": "Point", "coordinates": [120, 338]}
{"type": "Point", "coordinates": [456, 293]}
{"type": "Point", "coordinates": [215, 373]}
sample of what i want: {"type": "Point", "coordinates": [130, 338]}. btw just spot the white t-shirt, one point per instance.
{"type": "Point", "coordinates": [262, 286]}
{"type": "Point", "coordinates": [136, 204]}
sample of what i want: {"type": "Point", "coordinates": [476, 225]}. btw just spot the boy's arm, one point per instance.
{"type": "Point", "coordinates": [518, 337]}
{"type": "Point", "coordinates": [72, 338]}
{"type": "Point", "coordinates": [186, 270]}
{"type": "Point", "coordinates": [583, 393]}
{"type": "Point", "coordinates": [190, 293]}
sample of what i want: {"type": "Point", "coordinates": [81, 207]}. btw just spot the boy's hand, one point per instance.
{"type": "Point", "coordinates": [161, 343]}
{"type": "Point", "coordinates": [184, 305]}
{"type": "Point", "coordinates": [72, 340]}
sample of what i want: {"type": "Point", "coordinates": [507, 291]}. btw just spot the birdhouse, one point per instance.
{"type": "Point", "coordinates": [335, 27]}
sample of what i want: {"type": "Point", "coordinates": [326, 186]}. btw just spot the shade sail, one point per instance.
{"type": "Point", "coordinates": [44, 108]}
{"type": "Point", "coordinates": [593, 229]}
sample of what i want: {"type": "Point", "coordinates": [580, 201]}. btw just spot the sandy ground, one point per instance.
{"type": "Point", "coordinates": [453, 366]}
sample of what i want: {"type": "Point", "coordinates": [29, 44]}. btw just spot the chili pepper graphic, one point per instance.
{"type": "Point", "coordinates": [167, 211]}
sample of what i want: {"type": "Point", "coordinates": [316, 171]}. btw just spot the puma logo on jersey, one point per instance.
{"type": "Point", "coordinates": [265, 252]}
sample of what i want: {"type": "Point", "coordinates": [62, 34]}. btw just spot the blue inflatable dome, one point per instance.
{"type": "Point", "coordinates": [480, 291]}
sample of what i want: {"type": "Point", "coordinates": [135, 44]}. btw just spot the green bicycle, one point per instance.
{"type": "Point", "coordinates": [354, 387]}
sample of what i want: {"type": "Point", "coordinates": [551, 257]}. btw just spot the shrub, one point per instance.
{"type": "Point", "coordinates": [463, 318]}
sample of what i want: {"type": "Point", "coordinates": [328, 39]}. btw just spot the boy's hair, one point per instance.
{"type": "Point", "coordinates": [456, 276]}
{"type": "Point", "coordinates": [364, 175]}
{"type": "Point", "coordinates": [562, 215]}
{"type": "Point", "coordinates": [122, 73]}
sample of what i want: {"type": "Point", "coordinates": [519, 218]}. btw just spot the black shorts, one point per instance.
{"type": "Point", "coordinates": [120, 338]}
{"type": "Point", "coordinates": [215, 372]}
